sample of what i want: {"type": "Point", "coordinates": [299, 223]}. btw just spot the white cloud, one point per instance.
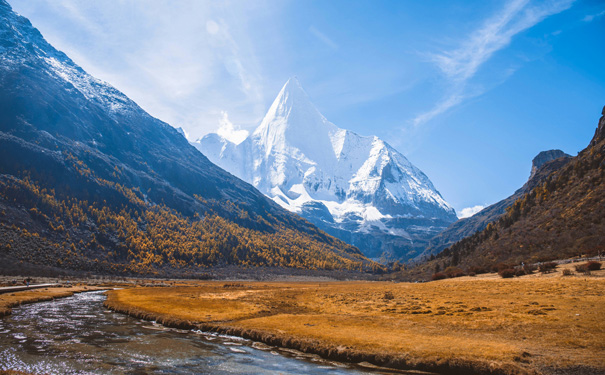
{"type": "Point", "coordinates": [229, 131]}
{"type": "Point", "coordinates": [469, 211]}
{"type": "Point", "coordinates": [592, 17]}
{"type": "Point", "coordinates": [461, 64]}
{"type": "Point", "coordinates": [447, 103]}
{"type": "Point", "coordinates": [322, 37]}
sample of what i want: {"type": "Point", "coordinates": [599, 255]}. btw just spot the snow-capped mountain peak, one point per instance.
{"type": "Point", "coordinates": [360, 186]}
{"type": "Point", "coordinates": [293, 125]}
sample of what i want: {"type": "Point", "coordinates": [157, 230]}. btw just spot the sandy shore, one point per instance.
{"type": "Point", "coordinates": [537, 325]}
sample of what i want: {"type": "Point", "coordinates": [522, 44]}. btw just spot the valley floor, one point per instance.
{"type": "Point", "coordinates": [548, 324]}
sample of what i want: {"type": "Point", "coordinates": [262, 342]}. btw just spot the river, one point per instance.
{"type": "Point", "coordinates": [77, 335]}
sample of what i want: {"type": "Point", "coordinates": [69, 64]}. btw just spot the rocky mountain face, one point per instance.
{"type": "Point", "coordinates": [83, 168]}
{"type": "Point", "coordinates": [545, 163]}
{"type": "Point", "coordinates": [543, 158]}
{"type": "Point", "coordinates": [357, 188]}
{"type": "Point", "coordinates": [599, 134]}
{"type": "Point", "coordinates": [561, 214]}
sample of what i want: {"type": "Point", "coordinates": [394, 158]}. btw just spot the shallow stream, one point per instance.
{"type": "Point", "coordinates": [77, 335]}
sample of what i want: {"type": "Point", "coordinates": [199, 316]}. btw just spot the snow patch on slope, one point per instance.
{"type": "Point", "coordinates": [92, 88]}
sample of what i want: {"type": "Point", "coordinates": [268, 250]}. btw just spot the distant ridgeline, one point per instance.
{"type": "Point", "coordinates": [90, 181]}
{"type": "Point", "coordinates": [561, 216]}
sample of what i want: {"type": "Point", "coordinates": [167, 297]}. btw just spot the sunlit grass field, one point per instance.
{"type": "Point", "coordinates": [541, 322]}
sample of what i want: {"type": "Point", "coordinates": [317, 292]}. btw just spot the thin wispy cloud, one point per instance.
{"type": "Point", "coordinates": [461, 64]}
{"type": "Point", "coordinates": [75, 13]}
{"type": "Point", "coordinates": [185, 63]}
{"type": "Point", "coordinates": [592, 17]}
{"type": "Point", "coordinates": [235, 63]}
{"type": "Point", "coordinates": [322, 37]}
{"type": "Point", "coordinates": [449, 102]}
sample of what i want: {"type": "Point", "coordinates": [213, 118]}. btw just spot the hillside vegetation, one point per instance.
{"type": "Point", "coordinates": [468, 226]}
{"type": "Point", "coordinates": [562, 217]}
{"type": "Point", "coordinates": [43, 226]}
{"type": "Point", "coordinates": [90, 181]}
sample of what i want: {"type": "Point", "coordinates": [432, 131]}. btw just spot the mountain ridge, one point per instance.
{"type": "Point", "coordinates": [559, 217]}
{"type": "Point", "coordinates": [543, 165]}
{"type": "Point", "coordinates": [92, 177]}
{"type": "Point", "coordinates": [376, 198]}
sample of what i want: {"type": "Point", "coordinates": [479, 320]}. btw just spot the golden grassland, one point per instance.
{"type": "Point", "coordinates": [9, 300]}
{"type": "Point", "coordinates": [540, 324]}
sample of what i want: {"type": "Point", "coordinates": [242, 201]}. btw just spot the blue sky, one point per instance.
{"type": "Point", "coordinates": [469, 91]}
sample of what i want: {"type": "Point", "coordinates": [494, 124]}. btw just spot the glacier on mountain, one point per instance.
{"type": "Point", "coordinates": [357, 188]}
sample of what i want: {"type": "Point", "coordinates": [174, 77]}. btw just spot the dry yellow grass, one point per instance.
{"type": "Point", "coordinates": [9, 300]}
{"type": "Point", "coordinates": [525, 325]}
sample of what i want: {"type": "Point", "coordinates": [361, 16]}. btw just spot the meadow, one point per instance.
{"type": "Point", "coordinates": [533, 324]}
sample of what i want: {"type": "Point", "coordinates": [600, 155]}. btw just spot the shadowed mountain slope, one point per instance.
{"type": "Point", "coordinates": [89, 180]}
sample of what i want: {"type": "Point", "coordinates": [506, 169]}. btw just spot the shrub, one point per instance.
{"type": "Point", "coordinates": [233, 285]}
{"type": "Point", "coordinates": [454, 272]}
{"type": "Point", "coordinates": [567, 272]}
{"type": "Point", "coordinates": [507, 273]}
{"type": "Point", "coordinates": [547, 267]}
{"type": "Point", "coordinates": [477, 270]}
{"type": "Point", "coordinates": [520, 272]}
{"type": "Point", "coordinates": [593, 265]}
{"type": "Point", "coordinates": [529, 268]}
{"type": "Point", "coordinates": [501, 266]}
{"type": "Point", "coordinates": [583, 268]}
{"type": "Point", "coordinates": [439, 276]}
